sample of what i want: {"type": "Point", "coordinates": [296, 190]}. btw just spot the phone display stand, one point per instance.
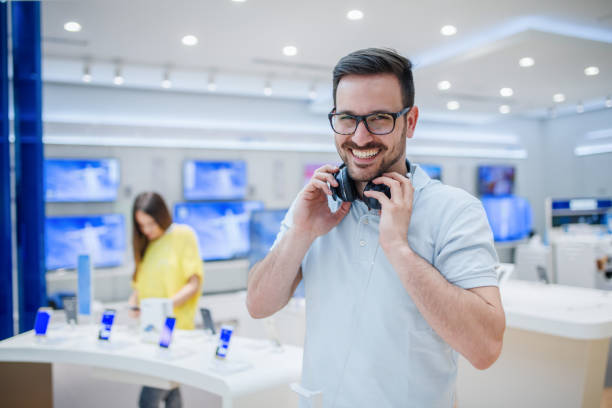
{"type": "Point", "coordinates": [153, 312]}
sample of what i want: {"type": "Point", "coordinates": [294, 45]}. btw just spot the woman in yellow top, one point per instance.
{"type": "Point", "coordinates": [167, 265]}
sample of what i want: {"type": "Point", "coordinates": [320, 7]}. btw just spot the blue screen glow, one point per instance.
{"type": "Point", "coordinates": [222, 227]}
{"type": "Point", "coordinates": [510, 217]}
{"type": "Point", "coordinates": [214, 180]}
{"type": "Point", "coordinates": [81, 180]}
{"type": "Point", "coordinates": [100, 236]}
{"type": "Point", "coordinates": [433, 171]}
{"type": "Point", "coordinates": [495, 180]}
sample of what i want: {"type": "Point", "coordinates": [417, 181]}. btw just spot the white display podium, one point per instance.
{"type": "Point", "coordinates": [256, 373]}
{"type": "Point", "coordinates": [555, 350]}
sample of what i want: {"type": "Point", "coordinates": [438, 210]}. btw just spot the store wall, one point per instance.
{"type": "Point", "coordinates": [275, 177]}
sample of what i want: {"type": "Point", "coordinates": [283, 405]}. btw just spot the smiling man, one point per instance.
{"type": "Point", "coordinates": [392, 294]}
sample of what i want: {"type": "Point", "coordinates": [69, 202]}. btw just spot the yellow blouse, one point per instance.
{"type": "Point", "coordinates": [167, 265]}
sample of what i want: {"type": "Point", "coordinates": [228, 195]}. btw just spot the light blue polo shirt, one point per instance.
{"type": "Point", "coordinates": [367, 345]}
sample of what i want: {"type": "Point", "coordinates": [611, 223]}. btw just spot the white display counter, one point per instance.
{"type": "Point", "coordinates": [554, 354]}
{"type": "Point", "coordinates": [256, 373]}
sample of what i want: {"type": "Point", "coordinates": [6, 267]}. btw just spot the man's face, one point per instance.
{"type": "Point", "coordinates": [368, 155]}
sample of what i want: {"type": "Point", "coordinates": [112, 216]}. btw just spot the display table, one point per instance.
{"type": "Point", "coordinates": [255, 374]}
{"type": "Point", "coordinates": [555, 350]}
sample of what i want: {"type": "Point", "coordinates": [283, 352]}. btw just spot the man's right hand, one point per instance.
{"type": "Point", "coordinates": [312, 215]}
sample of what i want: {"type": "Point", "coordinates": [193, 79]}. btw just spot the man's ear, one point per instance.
{"type": "Point", "coordinates": [411, 120]}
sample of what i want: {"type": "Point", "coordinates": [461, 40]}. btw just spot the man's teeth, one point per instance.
{"type": "Point", "coordinates": [365, 154]}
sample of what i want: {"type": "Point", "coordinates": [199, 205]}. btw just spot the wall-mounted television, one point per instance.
{"type": "Point", "coordinates": [265, 226]}
{"type": "Point", "coordinates": [101, 236]}
{"type": "Point", "coordinates": [222, 227]}
{"type": "Point", "coordinates": [81, 180]}
{"type": "Point", "coordinates": [495, 180]}
{"type": "Point", "coordinates": [433, 171]}
{"type": "Point", "coordinates": [214, 180]}
{"type": "Point", "coordinates": [510, 217]}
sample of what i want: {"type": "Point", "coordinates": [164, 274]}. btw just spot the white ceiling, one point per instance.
{"type": "Point", "coordinates": [246, 39]}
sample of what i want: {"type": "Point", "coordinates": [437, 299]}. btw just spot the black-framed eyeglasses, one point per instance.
{"type": "Point", "coordinates": [378, 123]}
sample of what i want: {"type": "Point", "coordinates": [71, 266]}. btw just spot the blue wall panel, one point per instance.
{"type": "Point", "coordinates": [6, 256]}
{"type": "Point", "coordinates": [27, 91]}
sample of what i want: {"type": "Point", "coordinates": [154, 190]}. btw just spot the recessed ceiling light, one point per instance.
{"type": "Point", "coordinates": [526, 62]}
{"type": "Point", "coordinates": [290, 50]}
{"type": "Point", "coordinates": [72, 26]}
{"type": "Point", "coordinates": [608, 102]}
{"type": "Point", "coordinates": [238, 1]}
{"type": "Point", "coordinates": [591, 71]}
{"type": "Point", "coordinates": [579, 107]}
{"type": "Point", "coordinates": [354, 15]}
{"type": "Point", "coordinates": [452, 105]}
{"type": "Point", "coordinates": [504, 109]}
{"type": "Point", "coordinates": [444, 85]}
{"type": "Point", "coordinates": [506, 92]}
{"type": "Point", "coordinates": [189, 40]}
{"type": "Point", "coordinates": [558, 98]}
{"type": "Point", "coordinates": [448, 30]}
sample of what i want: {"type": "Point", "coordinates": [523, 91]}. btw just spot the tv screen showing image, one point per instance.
{"type": "Point", "coordinates": [100, 236]}
{"type": "Point", "coordinates": [222, 227]}
{"type": "Point", "coordinates": [510, 217]}
{"type": "Point", "coordinates": [214, 180]}
{"type": "Point", "coordinates": [433, 171]}
{"type": "Point", "coordinates": [265, 226]}
{"type": "Point", "coordinates": [495, 180]}
{"type": "Point", "coordinates": [81, 180]}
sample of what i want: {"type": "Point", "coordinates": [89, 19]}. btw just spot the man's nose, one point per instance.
{"type": "Point", "coordinates": [362, 135]}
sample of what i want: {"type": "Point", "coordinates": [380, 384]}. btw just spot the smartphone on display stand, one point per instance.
{"type": "Point", "coordinates": [41, 323]}
{"type": "Point", "coordinates": [209, 326]}
{"type": "Point", "coordinates": [224, 341]}
{"type": "Point", "coordinates": [70, 308]}
{"type": "Point", "coordinates": [108, 317]}
{"type": "Point", "coordinates": [166, 333]}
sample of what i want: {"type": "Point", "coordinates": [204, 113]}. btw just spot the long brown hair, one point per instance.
{"type": "Point", "coordinates": [154, 205]}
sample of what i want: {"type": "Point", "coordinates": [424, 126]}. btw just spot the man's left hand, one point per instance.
{"type": "Point", "coordinates": [395, 211]}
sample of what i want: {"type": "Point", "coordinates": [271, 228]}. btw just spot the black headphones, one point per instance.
{"type": "Point", "coordinates": [346, 190]}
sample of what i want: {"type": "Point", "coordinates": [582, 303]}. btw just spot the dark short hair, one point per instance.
{"type": "Point", "coordinates": [377, 61]}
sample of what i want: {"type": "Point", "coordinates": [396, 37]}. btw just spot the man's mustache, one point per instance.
{"type": "Point", "coordinates": [351, 145]}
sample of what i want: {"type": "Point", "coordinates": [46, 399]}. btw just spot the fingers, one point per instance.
{"type": "Point", "coordinates": [317, 184]}
{"type": "Point", "coordinates": [381, 197]}
{"type": "Point", "coordinates": [394, 186]}
{"type": "Point", "coordinates": [341, 212]}
{"type": "Point", "coordinates": [325, 174]}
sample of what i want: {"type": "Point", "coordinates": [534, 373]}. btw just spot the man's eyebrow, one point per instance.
{"type": "Point", "coordinates": [349, 112]}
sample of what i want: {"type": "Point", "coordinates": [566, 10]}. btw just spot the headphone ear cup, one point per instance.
{"type": "Point", "coordinates": [371, 202]}
{"type": "Point", "coordinates": [346, 188]}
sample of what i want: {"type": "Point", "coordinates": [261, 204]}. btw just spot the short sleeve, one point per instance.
{"type": "Point", "coordinates": [466, 256]}
{"type": "Point", "coordinates": [191, 262]}
{"type": "Point", "coordinates": [286, 223]}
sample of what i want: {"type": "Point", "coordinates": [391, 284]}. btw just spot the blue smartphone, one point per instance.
{"type": "Point", "coordinates": [108, 317]}
{"type": "Point", "coordinates": [224, 341]}
{"type": "Point", "coordinates": [41, 323]}
{"type": "Point", "coordinates": [166, 333]}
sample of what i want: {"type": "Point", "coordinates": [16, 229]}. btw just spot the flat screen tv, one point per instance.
{"type": "Point", "coordinates": [510, 217]}
{"type": "Point", "coordinates": [214, 180]}
{"type": "Point", "coordinates": [433, 171]}
{"type": "Point", "coordinates": [495, 180]}
{"type": "Point", "coordinates": [222, 227]}
{"type": "Point", "coordinates": [81, 180]}
{"type": "Point", "coordinates": [265, 225]}
{"type": "Point", "coordinates": [103, 237]}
